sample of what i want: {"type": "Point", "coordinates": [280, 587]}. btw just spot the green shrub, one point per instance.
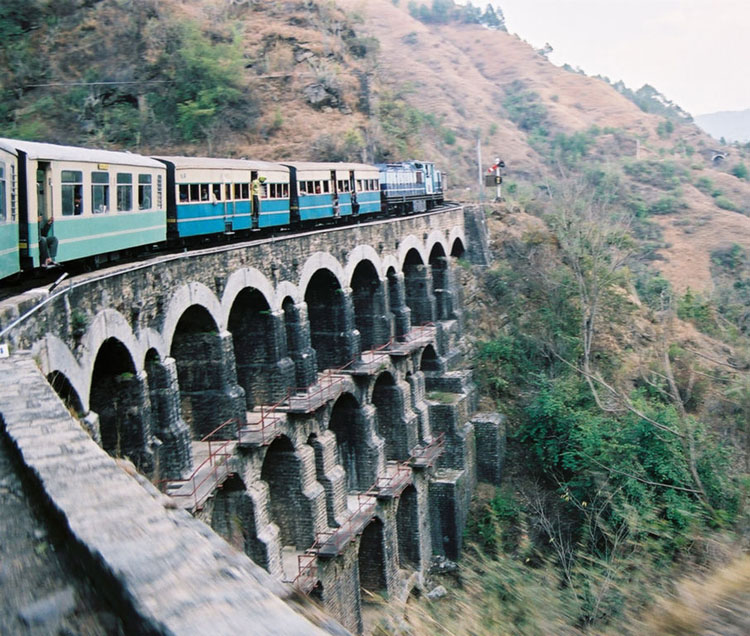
{"type": "Point", "coordinates": [739, 170]}
{"type": "Point", "coordinates": [726, 204]}
{"type": "Point", "coordinates": [665, 205]}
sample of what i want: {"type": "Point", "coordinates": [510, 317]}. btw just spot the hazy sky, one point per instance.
{"type": "Point", "coordinates": [696, 52]}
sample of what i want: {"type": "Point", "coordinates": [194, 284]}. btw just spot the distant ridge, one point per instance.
{"type": "Point", "coordinates": [733, 125]}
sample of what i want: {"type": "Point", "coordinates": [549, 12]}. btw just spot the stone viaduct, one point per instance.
{"type": "Point", "coordinates": [303, 395]}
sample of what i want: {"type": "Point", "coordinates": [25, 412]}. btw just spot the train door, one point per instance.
{"type": "Point", "coordinates": [353, 190]}
{"type": "Point", "coordinates": [335, 194]}
{"type": "Point", "coordinates": [429, 184]}
{"type": "Point", "coordinates": [43, 205]}
{"type": "Point", "coordinates": [255, 194]}
{"type": "Point", "coordinates": [222, 195]}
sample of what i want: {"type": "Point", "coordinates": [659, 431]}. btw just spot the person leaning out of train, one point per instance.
{"type": "Point", "coordinates": [47, 243]}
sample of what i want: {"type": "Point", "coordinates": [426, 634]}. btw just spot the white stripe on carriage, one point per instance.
{"type": "Point", "coordinates": [90, 237]}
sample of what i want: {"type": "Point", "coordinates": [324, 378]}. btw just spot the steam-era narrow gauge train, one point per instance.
{"type": "Point", "coordinates": [106, 203]}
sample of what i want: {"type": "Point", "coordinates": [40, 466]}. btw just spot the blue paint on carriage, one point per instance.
{"type": "Point", "coordinates": [9, 262]}
{"type": "Point", "coordinates": [273, 212]}
{"type": "Point", "coordinates": [195, 219]}
{"type": "Point", "coordinates": [369, 202]}
{"type": "Point", "coordinates": [315, 206]}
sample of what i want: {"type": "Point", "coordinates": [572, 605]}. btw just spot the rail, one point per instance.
{"type": "Point", "coordinates": [217, 458]}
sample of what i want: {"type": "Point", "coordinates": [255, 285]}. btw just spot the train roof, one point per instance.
{"type": "Point", "coordinates": [213, 163]}
{"type": "Point", "coordinates": [43, 151]}
{"type": "Point", "coordinates": [329, 165]}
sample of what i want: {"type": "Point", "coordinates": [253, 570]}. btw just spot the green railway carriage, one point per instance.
{"type": "Point", "coordinates": [9, 262]}
{"type": "Point", "coordinates": [101, 202]}
{"type": "Point", "coordinates": [208, 196]}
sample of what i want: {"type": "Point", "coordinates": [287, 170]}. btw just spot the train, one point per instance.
{"type": "Point", "coordinates": [65, 204]}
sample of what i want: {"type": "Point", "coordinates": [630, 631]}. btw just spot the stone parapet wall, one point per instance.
{"type": "Point", "coordinates": [166, 572]}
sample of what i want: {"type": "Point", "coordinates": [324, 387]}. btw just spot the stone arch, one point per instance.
{"type": "Point", "coordinates": [371, 559]}
{"type": "Point", "coordinates": [251, 325]}
{"type": "Point", "coordinates": [234, 518]}
{"type": "Point", "coordinates": [370, 306]}
{"type": "Point", "coordinates": [119, 396]}
{"type": "Point", "coordinates": [429, 360]}
{"type": "Point", "coordinates": [175, 455]}
{"type": "Point", "coordinates": [67, 393]}
{"type": "Point", "coordinates": [436, 237]}
{"type": "Point", "coordinates": [359, 254]}
{"type": "Point", "coordinates": [287, 505]}
{"type": "Point", "coordinates": [441, 282]}
{"type": "Point", "coordinates": [457, 248]}
{"type": "Point", "coordinates": [331, 316]}
{"type": "Point", "coordinates": [55, 357]}
{"type": "Point", "coordinates": [408, 528]}
{"type": "Point", "coordinates": [107, 324]}
{"type": "Point", "coordinates": [241, 280]}
{"type": "Point", "coordinates": [186, 297]}
{"type": "Point", "coordinates": [319, 261]}
{"type": "Point", "coordinates": [209, 395]}
{"type": "Point", "coordinates": [418, 288]}
{"type": "Point", "coordinates": [347, 424]}
{"type": "Point", "coordinates": [389, 410]}
{"type": "Point", "coordinates": [408, 244]}
{"type": "Point", "coordinates": [286, 290]}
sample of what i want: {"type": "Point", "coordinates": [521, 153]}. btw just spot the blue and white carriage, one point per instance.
{"type": "Point", "coordinates": [215, 196]}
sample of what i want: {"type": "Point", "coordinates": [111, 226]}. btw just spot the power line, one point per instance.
{"type": "Point", "coordinates": [98, 83]}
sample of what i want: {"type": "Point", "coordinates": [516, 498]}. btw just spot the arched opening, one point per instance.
{"type": "Point", "coordinates": [440, 283]}
{"type": "Point", "coordinates": [329, 328]}
{"type": "Point", "coordinates": [418, 288]}
{"type": "Point", "coordinates": [197, 350]}
{"type": "Point", "coordinates": [400, 313]}
{"type": "Point", "coordinates": [287, 505]}
{"type": "Point", "coordinates": [371, 560]}
{"type": "Point", "coordinates": [429, 360]}
{"type": "Point", "coordinates": [65, 391]}
{"type": "Point", "coordinates": [389, 408]}
{"type": "Point", "coordinates": [233, 518]}
{"type": "Point", "coordinates": [251, 325]}
{"type": "Point", "coordinates": [457, 249]}
{"type": "Point", "coordinates": [369, 306]}
{"type": "Point", "coordinates": [407, 523]}
{"type": "Point", "coordinates": [346, 424]}
{"type": "Point", "coordinates": [120, 400]}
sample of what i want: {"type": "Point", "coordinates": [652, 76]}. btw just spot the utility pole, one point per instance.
{"type": "Point", "coordinates": [497, 181]}
{"type": "Point", "coordinates": [479, 166]}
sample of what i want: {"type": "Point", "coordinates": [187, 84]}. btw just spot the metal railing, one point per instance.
{"type": "Point", "coordinates": [217, 459]}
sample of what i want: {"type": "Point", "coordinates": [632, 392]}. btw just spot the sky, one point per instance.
{"type": "Point", "coordinates": [695, 52]}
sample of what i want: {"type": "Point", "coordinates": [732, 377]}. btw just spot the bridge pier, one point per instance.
{"type": "Point", "coordinates": [300, 351]}
{"type": "Point", "coordinates": [175, 454]}
{"type": "Point", "coordinates": [397, 301]}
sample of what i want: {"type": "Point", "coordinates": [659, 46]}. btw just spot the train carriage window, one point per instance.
{"type": "Point", "coordinates": [144, 191]}
{"type": "Point", "coordinates": [159, 192]}
{"type": "Point", "coordinates": [242, 191]}
{"type": "Point", "coordinates": [285, 191]}
{"type": "Point", "coordinates": [100, 192]}
{"type": "Point", "coordinates": [227, 191]}
{"type": "Point", "coordinates": [204, 192]}
{"type": "Point", "coordinates": [194, 192]}
{"type": "Point", "coordinates": [420, 176]}
{"type": "Point", "coordinates": [124, 192]}
{"type": "Point", "coordinates": [72, 192]}
{"type": "Point", "coordinates": [3, 190]}
{"type": "Point", "coordinates": [184, 194]}
{"type": "Point", "coordinates": [215, 192]}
